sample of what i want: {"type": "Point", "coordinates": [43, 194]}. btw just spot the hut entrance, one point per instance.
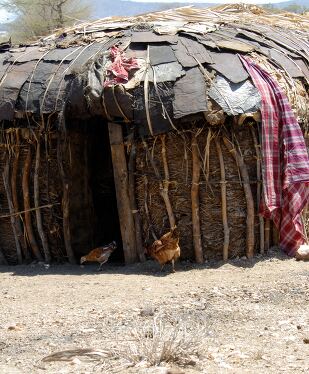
{"type": "Point", "coordinates": [101, 178]}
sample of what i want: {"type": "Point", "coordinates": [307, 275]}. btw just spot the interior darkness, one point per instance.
{"type": "Point", "coordinates": [106, 220]}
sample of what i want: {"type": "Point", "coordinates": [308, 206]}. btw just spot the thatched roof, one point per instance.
{"type": "Point", "coordinates": [187, 57]}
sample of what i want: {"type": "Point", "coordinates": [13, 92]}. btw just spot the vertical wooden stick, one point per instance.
{"type": "Point", "coordinates": [248, 194]}
{"type": "Point", "coordinates": [19, 226]}
{"type": "Point", "coordinates": [126, 219]}
{"type": "Point", "coordinates": [65, 205]}
{"type": "Point", "coordinates": [135, 211]}
{"type": "Point", "coordinates": [275, 235]}
{"type": "Point", "coordinates": [259, 187]}
{"type": "Point", "coordinates": [6, 178]}
{"type": "Point", "coordinates": [38, 215]}
{"type": "Point", "coordinates": [165, 185]}
{"type": "Point", "coordinates": [195, 201]}
{"type": "Point", "coordinates": [27, 206]}
{"type": "Point", "coordinates": [163, 189]}
{"type": "Point", "coordinates": [147, 209]}
{"type": "Point", "coordinates": [223, 202]}
{"type": "Point", "coordinates": [267, 234]}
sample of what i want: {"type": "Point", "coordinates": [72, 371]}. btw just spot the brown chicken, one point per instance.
{"type": "Point", "coordinates": [166, 249]}
{"type": "Point", "coordinates": [100, 254]}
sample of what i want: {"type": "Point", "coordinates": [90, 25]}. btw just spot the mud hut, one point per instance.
{"type": "Point", "coordinates": [121, 128]}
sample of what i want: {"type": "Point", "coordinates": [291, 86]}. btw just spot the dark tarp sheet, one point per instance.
{"type": "Point", "coordinates": [195, 49]}
{"type": "Point", "coordinates": [166, 72]}
{"type": "Point", "coordinates": [183, 57]}
{"type": "Point", "coordinates": [159, 120]}
{"type": "Point", "coordinates": [161, 54]}
{"type": "Point", "coordinates": [61, 54]}
{"type": "Point", "coordinates": [229, 65]}
{"type": "Point", "coordinates": [44, 89]}
{"type": "Point", "coordinates": [27, 54]}
{"type": "Point", "coordinates": [190, 94]}
{"type": "Point", "coordinates": [87, 53]}
{"type": "Point", "coordinates": [15, 77]}
{"type": "Point", "coordinates": [287, 63]}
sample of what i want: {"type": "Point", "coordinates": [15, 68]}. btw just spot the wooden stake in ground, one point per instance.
{"type": "Point", "coordinates": [259, 187]}
{"type": "Point", "coordinates": [65, 205]}
{"type": "Point", "coordinates": [163, 185]}
{"type": "Point", "coordinates": [27, 206]}
{"type": "Point", "coordinates": [276, 236]}
{"type": "Point", "coordinates": [126, 219]}
{"type": "Point", "coordinates": [38, 215]}
{"type": "Point", "coordinates": [19, 225]}
{"type": "Point", "coordinates": [147, 209]}
{"type": "Point", "coordinates": [267, 234]}
{"type": "Point", "coordinates": [195, 201]}
{"type": "Point", "coordinates": [134, 208]}
{"type": "Point", "coordinates": [6, 178]}
{"type": "Point", "coordinates": [223, 202]}
{"type": "Point", "coordinates": [248, 194]}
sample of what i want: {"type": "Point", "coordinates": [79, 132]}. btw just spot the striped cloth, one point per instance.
{"type": "Point", "coordinates": [285, 162]}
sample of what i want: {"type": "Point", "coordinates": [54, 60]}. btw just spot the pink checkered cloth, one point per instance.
{"type": "Point", "coordinates": [285, 162]}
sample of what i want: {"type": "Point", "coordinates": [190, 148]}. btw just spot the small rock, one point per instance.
{"type": "Point", "coordinates": [147, 311]}
{"type": "Point", "coordinates": [75, 361]}
{"type": "Point", "coordinates": [14, 328]}
{"type": "Point", "coordinates": [306, 340]}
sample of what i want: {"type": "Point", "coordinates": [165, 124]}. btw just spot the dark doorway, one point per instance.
{"type": "Point", "coordinates": [101, 178]}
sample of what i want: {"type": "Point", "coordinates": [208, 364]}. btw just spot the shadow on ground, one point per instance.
{"type": "Point", "coordinates": [150, 267]}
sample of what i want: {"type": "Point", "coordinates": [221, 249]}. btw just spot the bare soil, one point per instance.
{"type": "Point", "coordinates": [249, 317]}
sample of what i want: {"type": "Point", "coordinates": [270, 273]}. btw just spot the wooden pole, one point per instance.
{"type": "Point", "coordinates": [147, 209]}
{"type": "Point", "coordinates": [259, 187]}
{"type": "Point", "coordinates": [248, 194]}
{"type": "Point", "coordinates": [65, 205]}
{"type": "Point", "coordinates": [134, 208]}
{"type": "Point", "coordinates": [195, 201]}
{"type": "Point", "coordinates": [223, 202]}
{"type": "Point", "coordinates": [19, 225]}
{"type": "Point", "coordinates": [6, 178]}
{"type": "Point", "coordinates": [165, 185]}
{"type": "Point", "coordinates": [267, 234]}
{"type": "Point", "coordinates": [163, 190]}
{"type": "Point", "coordinates": [26, 194]}
{"type": "Point", "coordinates": [126, 219]}
{"type": "Point", "coordinates": [38, 215]}
{"type": "Point", "coordinates": [275, 235]}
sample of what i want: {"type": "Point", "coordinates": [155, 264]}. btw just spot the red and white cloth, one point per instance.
{"type": "Point", "coordinates": [118, 70]}
{"type": "Point", "coordinates": [285, 162]}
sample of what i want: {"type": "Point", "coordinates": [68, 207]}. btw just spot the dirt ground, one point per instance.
{"type": "Point", "coordinates": [239, 317]}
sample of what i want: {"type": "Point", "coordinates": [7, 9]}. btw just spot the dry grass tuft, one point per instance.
{"type": "Point", "coordinates": [164, 342]}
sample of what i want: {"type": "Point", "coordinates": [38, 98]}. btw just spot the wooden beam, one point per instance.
{"type": "Point", "coordinates": [195, 202]}
{"type": "Point", "coordinates": [26, 194]}
{"type": "Point", "coordinates": [126, 219]}
{"type": "Point", "coordinates": [65, 203]}
{"type": "Point", "coordinates": [226, 229]}
{"type": "Point", "coordinates": [134, 207]}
